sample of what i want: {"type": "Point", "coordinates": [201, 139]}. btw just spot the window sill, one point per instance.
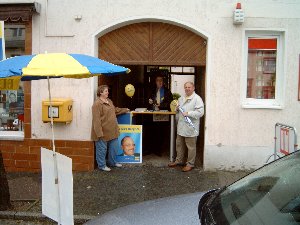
{"type": "Point", "coordinates": [12, 135]}
{"type": "Point", "coordinates": [261, 106]}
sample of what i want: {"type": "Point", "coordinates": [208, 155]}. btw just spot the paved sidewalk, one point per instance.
{"type": "Point", "coordinates": [97, 192]}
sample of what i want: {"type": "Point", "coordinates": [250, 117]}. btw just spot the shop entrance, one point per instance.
{"type": "Point", "coordinates": [147, 47]}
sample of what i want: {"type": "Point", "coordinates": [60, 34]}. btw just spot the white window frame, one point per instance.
{"type": "Point", "coordinates": [12, 135]}
{"type": "Point", "coordinates": [278, 102]}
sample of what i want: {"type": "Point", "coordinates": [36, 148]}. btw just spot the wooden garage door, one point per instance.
{"type": "Point", "coordinates": [153, 44]}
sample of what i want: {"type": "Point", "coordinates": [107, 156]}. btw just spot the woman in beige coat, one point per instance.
{"type": "Point", "coordinates": [105, 130]}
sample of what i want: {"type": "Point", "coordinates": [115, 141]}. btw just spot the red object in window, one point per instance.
{"type": "Point", "coordinates": [254, 43]}
{"type": "Point", "coordinates": [21, 120]}
{"type": "Point", "coordinates": [21, 117]}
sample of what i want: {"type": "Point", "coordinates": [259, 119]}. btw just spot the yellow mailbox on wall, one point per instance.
{"type": "Point", "coordinates": [62, 110]}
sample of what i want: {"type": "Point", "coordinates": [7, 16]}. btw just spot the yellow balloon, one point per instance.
{"type": "Point", "coordinates": [129, 90]}
{"type": "Point", "coordinates": [173, 105]}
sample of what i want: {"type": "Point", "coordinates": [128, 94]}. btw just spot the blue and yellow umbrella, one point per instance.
{"type": "Point", "coordinates": [53, 65]}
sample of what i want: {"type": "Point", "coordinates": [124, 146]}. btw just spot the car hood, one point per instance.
{"type": "Point", "coordinates": [176, 210]}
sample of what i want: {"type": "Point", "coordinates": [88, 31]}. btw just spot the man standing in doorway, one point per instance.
{"type": "Point", "coordinates": [161, 96]}
{"type": "Point", "coordinates": [160, 99]}
{"type": "Point", "coordinates": [190, 108]}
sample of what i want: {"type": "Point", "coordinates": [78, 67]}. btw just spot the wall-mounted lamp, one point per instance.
{"type": "Point", "coordinates": [238, 14]}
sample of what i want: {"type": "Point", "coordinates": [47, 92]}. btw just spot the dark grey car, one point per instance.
{"type": "Point", "coordinates": [268, 196]}
{"type": "Point", "coordinates": [177, 210]}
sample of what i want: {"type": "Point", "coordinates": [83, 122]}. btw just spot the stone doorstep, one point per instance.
{"type": "Point", "coordinates": [31, 216]}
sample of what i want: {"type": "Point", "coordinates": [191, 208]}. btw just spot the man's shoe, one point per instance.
{"type": "Point", "coordinates": [172, 164]}
{"type": "Point", "coordinates": [118, 165]}
{"type": "Point", "coordinates": [106, 169]}
{"type": "Point", "coordinates": [187, 168]}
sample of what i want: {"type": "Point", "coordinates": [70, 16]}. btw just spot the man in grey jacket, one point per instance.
{"type": "Point", "coordinates": [191, 109]}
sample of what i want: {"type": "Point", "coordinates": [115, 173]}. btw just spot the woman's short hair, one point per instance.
{"type": "Point", "coordinates": [101, 88]}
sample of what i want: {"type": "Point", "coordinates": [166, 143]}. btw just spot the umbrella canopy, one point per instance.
{"type": "Point", "coordinates": [53, 65]}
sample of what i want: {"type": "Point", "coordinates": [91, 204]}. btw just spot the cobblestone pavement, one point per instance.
{"type": "Point", "coordinates": [97, 192]}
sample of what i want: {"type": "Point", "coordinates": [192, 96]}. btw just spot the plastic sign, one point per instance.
{"type": "Point", "coordinates": [9, 83]}
{"type": "Point", "coordinates": [187, 119]}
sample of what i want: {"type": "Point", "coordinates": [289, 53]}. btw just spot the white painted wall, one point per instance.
{"type": "Point", "coordinates": [82, 94]}
{"type": "Point", "coordinates": [235, 138]}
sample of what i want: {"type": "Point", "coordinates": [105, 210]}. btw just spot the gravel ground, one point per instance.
{"type": "Point", "coordinates": [22, 222]}
{"type": "Point", "coordinates": [97, 192]}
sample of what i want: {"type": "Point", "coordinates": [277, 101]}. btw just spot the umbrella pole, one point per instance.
{"type": "Point", "coordinates": [51, 115]}
{"type": "Point", "coordinates": [54, 153]}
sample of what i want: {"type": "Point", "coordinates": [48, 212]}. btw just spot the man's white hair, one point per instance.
{"type": "Point", "coordinates": [189, 82]}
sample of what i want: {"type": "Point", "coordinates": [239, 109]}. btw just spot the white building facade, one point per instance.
{"type": "Point", "coordinates": [240, 109]}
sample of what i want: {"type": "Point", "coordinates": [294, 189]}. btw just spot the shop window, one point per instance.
{"type": "Point", "coordinates": [263, 70]}
{"type": "Point", "coordinates": [12, 110]}
{"type": "Point", "coordinates": [12, 101]}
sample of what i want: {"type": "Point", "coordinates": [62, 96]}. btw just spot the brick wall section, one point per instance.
{"type": "Point", "coordinates": [26, 155]}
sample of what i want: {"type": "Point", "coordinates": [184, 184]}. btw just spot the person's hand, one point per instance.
{"type": "Point", "coordinates": [185, 113]}
{"type": "Point", "coordinates": [150, 101]}
{"type": "Point", "coordinates": [128, 110]}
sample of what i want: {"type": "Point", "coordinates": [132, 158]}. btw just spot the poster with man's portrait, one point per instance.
{"type": "Point", "coordinates": [130, 144]}
{"type": "Point", "coordinates": [12, 96]}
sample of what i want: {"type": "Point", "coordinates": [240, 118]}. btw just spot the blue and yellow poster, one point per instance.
{"type": "Point", "coordinates": [130, 144]}
{"type": "Point", "coordinates": [2, 42]}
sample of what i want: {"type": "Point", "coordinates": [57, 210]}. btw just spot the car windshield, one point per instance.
{"type": "Point", "coordinates": [268, 196]}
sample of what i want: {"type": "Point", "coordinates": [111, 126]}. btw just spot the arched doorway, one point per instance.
{"type": "Point", "coordinates": [154, 45]}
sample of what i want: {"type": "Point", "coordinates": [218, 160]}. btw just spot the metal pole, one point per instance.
{"type": "Point", "coordinates": [51, 115]}
{"type": "Point", "coordinates": [295, 139]}
{"type": "Point", "coordinates": [172, 138]}
{"type": "Point", "coordinates": [54, 154]}
{"type": "Point", "coordinates": [275, 144]}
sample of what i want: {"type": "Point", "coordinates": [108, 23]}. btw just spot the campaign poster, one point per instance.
{"type": "Point", "coordinates": [130, 144]}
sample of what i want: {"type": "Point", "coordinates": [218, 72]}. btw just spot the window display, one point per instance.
{"type": "Point", "coordinates": [12, 110]}
{"type": "Point", "coordinates": [12, 101]}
